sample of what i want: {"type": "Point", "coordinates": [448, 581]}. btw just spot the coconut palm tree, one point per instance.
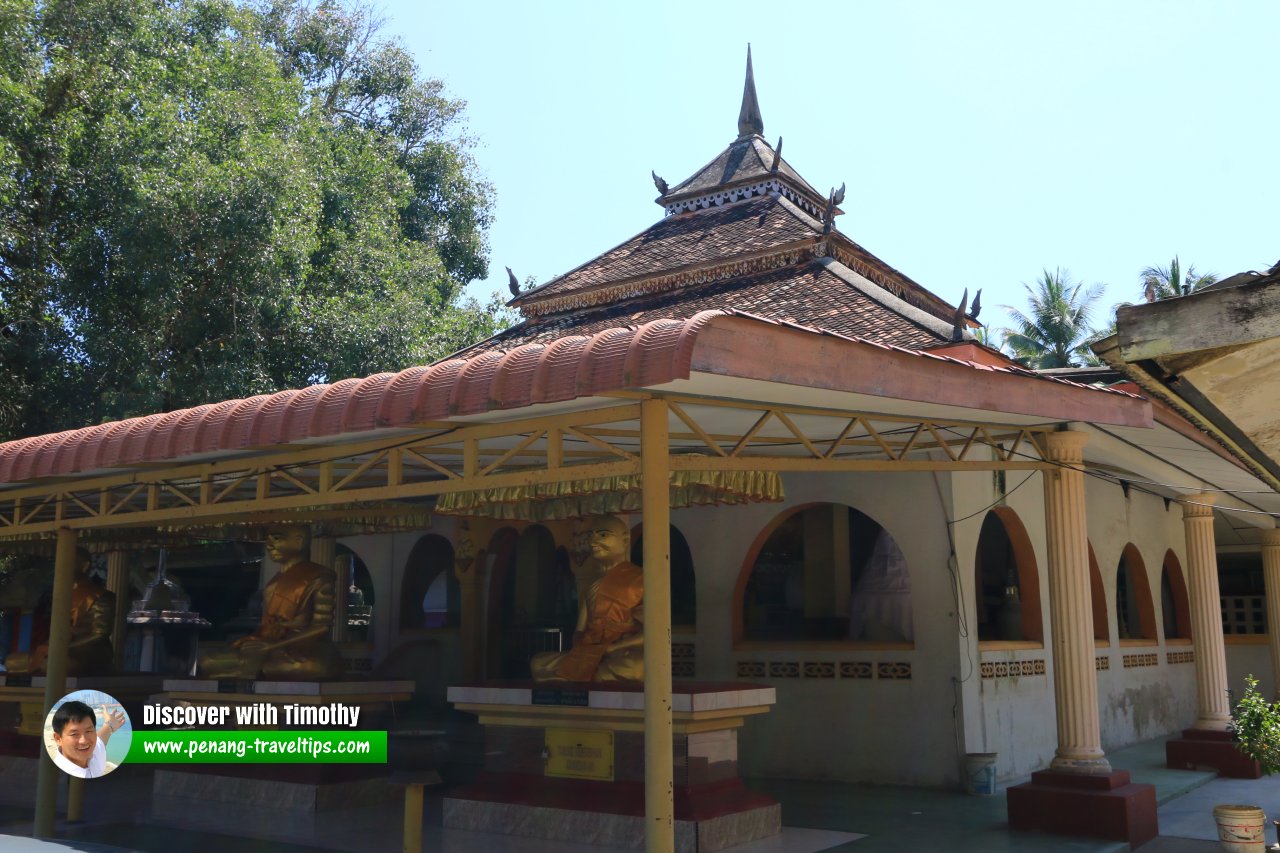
{"type": "Point", "coordinates": [1164, 282]}
{"type": "Point", "coordinates": [1055, 331]}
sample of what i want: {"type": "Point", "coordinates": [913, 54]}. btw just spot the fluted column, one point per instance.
{"type": "Point", "coordinates": [1271, 576]}
{"type": "Point", "coordinates": [118, 583]}
{"type": "Point", "coordinates": [470, 587]}
{"type": "Point", "coordinates": [1206, 614]}
{"type": "Point", "coordinates": [324, 550]}
{"type": "Point", "coordinates": [1075, 681]}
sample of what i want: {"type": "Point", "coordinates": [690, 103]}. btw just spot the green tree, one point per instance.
{"type": "Point", "coordinates": [1164, 282]}
{"type": "Point", "coordinates": [202, 200]}
{"type": "Point", "coordinates": [1055, 331]}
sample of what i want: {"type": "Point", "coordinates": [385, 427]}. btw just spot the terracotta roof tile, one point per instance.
{"type": "Point", "coordinates": [687, 240]}
{"type": "Point", "coordinates": [806, 294]}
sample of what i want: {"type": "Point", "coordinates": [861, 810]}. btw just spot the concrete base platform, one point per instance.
{"type": "Point", "coordinates": [1199, 748]}
{"type": "Point", "coordinates": [614, 830]}
{"type": "Point", "coordinates": [306, 791]}
{"type": "Point", "coordinates": [1110, 806]}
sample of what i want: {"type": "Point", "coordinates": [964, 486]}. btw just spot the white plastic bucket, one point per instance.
{"type": "Point", "coordinates": [1241, 829]}
{"type": "Point", "coordinates": [980, 773]}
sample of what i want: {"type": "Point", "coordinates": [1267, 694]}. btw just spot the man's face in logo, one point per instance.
{"type": "Point", "coordinates": [77, 740]}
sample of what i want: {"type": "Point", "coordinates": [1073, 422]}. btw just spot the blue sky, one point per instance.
{"type": "Point", "coordinates": [980, 142]}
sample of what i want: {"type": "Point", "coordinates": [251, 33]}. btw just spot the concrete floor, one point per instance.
{"type": "Point", "coordinates": [818, 816]}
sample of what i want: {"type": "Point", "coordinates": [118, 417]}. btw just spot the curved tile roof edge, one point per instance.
{"type": "Point", "coordinates": [654, 353]}
{"type": "Point", "coordinates": [657, 352]}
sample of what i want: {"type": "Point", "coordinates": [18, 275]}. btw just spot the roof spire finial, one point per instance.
{"type": "Point", "coordinates": [749, 120]}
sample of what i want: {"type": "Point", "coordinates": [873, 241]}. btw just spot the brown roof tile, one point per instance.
{"type": "Point", "coordinates": [687, 240]}
{"type": "Point", "coordinates": [805, 293]}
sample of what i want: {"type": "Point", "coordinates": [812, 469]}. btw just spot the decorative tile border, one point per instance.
{"type": "Point", "coordinates": [898, 670]}
{"type": "Point", "coordinates": [1102, 662]}
{"type": "Point", "coordinates": [856, 669]}
{"type": "Point", "coordinates": [1131, 661]}
{"type": "Point", "coordinates": [847, 669]}
{"type": "Point", "coordinates": [819, 669]}
{"type": "Point", "coordinates": [784, 669]}
{"type": "Point", "coordinates": [1180, 657]}
{"type": "Point", "coordinates": [682, 660]}
{"type": "Point", "coordinates": [1012, 669]}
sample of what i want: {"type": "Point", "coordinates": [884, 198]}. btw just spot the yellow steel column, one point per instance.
{"type": "Point", "coordinates": [75, 798]}
{"type": "Point", "coordinates": [659, 775]}
{"type": "Point", "coordinates": [118, 583]}
{"type": "Point", "coordinates": [64, 572]}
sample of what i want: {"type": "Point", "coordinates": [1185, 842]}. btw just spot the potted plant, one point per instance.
{"type": "Point", "coordinates": [1255, 723]}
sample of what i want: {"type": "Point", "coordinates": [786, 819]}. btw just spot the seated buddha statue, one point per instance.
{"type": "Point", "coordinates": [608, 642]}
{"type": "Point", "coordinates": [293, 640]}
{"type": "Point", "coordinates": [89, 650]}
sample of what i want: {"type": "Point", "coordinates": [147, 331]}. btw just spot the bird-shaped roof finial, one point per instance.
{"type": "Point", "coordinates": [749, 119]}
{"type": "Point", "coordinates": [513, 284]}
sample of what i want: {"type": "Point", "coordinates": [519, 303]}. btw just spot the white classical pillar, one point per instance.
{"type": "Point", "coordinates": [1075, 681]}
{"type": "Point", "coordinates": [1271, 575]}
{"type": "Point", "coordinates": [55, 685]}
{"type": "Point", "coordinates": [1214, 713]}
{"type": "Point", "coordinates": [655, 503]}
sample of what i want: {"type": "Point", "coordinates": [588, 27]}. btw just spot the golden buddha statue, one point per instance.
{"type": "Point", "coordinates": [608, 643]}
{"type": "Point", "coordinates": [293, 641]}
{"type": "Point", "coordinates": [89, 650]}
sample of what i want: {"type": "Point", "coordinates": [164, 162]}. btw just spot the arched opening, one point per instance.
{"type": "Point", "coordinates": [361, 594]}
{"type": "Point", "coordinates": [429, 594]}
{"type": "Point", "coordinates": [1008, 582]}
{"type": "Point", "coordinates": [1174, 608]}
{"type": "Point", "coordinates": [538, 600]}
{"type": "Point", "coordinates": [684, 587]}
{"type": "Point", "coordinates": [1098, 598]}
{"type": "Point", "coordinates": [825, 572]}
{"type": "Point", "coordinates": [1135, 619]}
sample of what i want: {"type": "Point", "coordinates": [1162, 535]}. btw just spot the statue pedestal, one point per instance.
{"type": "Point", "coordinates": [289, 787]}
{"type": "Point", "coordinates": [566, 763]}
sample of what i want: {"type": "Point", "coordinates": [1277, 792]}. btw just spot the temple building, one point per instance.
{"type": "Point", "coordinates": [940, 561]}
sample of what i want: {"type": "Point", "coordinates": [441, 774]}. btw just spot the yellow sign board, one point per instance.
{"type": "Point", "coordinates": [579, 754]}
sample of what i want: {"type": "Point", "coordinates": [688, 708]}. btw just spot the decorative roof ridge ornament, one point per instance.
{"type": "Point", "coordinates": [777, 158]}
{"type": "Point", "coordinates": [659, 182]}
{"type": "Point", "coordinates": [829, 217]}
{"type": "Point", "coordinates": [750, 122]}
{"type": "Point", "coordinates": [958, 326]}
{"type": "Point", "coordinates": [513, 283]}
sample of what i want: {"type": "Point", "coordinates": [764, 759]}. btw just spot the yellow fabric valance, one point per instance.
{"type": "Point", "coordinates": [607, 495]}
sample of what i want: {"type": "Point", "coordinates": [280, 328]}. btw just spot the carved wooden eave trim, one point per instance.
{"type": "Point", "coordinates": [911, 295]}
{"type": "Point", "coordinates": [616, 291]}
{"type": "Point", "coordinates": [729, 195]}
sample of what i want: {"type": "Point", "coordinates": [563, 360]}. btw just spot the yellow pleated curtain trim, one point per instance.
{"type": "Point", "coordinates": [604, 495]}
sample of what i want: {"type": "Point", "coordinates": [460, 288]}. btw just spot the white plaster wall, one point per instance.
{"type": "Point", "coordinates": [1017, 719]}
{"type": "Point", "coordinates": [898, 732]}
{"type": "Point", "coordinates": [1016, 715]}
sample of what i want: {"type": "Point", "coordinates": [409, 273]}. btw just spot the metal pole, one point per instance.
{"type": "Point", "coordinates": [659, 776]}
{"type": "Point", "coordinates": [64, 572]}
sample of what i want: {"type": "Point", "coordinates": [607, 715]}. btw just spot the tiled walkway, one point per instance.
{"type": "Point", "coordinates": [820, 817]}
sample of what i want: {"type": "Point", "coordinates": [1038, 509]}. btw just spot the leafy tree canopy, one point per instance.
{"type": "Point", "coordinates": [203, 199]}
{"type": "Point", "coordinates": [1054, 331]}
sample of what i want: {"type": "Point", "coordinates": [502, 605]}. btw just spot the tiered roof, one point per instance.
{"type": "Point", "coordinates": [745, 233]}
